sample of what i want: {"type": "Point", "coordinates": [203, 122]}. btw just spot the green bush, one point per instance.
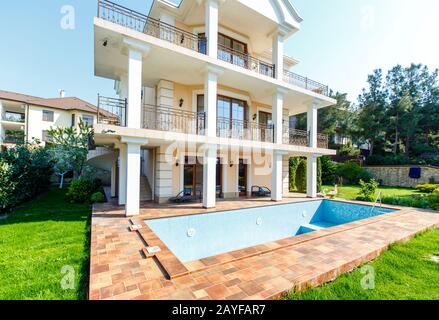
{"type": "Point", "coordinates": [367, 190]}
{"type": "Point", "coordinates": [434, 200]}
{"type": "Point", "coordinates": [329, 169]}
{"type": "Point", "coordinates": [319, 175]}
{"type": "Point", "coordinates": [411, 201]}
{"type": "Point", "coordinates": [352, 172]}
{"type": "Point", "coordinates": [25, 172]}
{"type": "Point", "coordinates": [301, 176]}
{"type": "Point", "coordinates": [97, 197]}
{"type": "Point", "coordinates": [81, 190]}
{"type": "Point", "coordinates": [294, 162]}
{"type": "Point", "coordinates": [427, 188]}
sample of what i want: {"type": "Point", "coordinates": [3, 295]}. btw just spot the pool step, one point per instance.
{"type": "Point", "coordinates": [315, 226]}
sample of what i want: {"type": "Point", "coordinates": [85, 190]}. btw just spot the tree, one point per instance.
{"type": "Point", "coordinates": [372, 110]}
{"type": "Point", "coordinates": [70, 148]}
{"type": "Point", "coordinates": [301, 176]}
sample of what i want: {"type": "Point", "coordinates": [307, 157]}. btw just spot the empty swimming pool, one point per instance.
{"type": "Point", "coordinates": [199, 236]}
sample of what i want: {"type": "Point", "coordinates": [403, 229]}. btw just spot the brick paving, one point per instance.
{"type": "Point", "coordinates": [119, 269]}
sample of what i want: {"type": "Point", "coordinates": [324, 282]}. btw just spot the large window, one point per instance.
{"type": "Point", "coordinates": [88, 120]}
{"type": "Point", "coordinates": [48, 115]}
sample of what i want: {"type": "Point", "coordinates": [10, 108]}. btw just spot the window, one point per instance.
{"type": "Point", "coordinates": [73, 120]}
{"type": "Point", "coordinates": [88, 120]}
{"type": "Point", "coordinates": [46, 137]}
{"type": "Point", "coordinates": [48, 115]}
{"type": "Point", "coordinates": [200, 103]}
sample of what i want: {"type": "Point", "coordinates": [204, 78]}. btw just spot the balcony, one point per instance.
{"type": "Point", "coordinates": [112, 111]}
{"type": "Point", "coordinates": [304, 82]}
{"type": "Point", "coordinates": [301, 138]}
{"type": "Point", "coordinates": [13, 117]}
{"type": "Point", "coordinates": [128, 18]}
{"type": "Point", "coordinates": [245, 61]}
{"type": "Point", "coordinates": [139, 22]}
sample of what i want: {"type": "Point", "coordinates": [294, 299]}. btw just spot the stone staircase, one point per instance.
{"type": "Point", "coordinates": [145, 189]}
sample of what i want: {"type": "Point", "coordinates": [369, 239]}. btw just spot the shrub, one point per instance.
{"type": "Point", "coordinates": [427, 188]}
{"type": "Point", "coordinates": [25, 172]}
{"type": "Point", "coordinates": [81, 190]}
{"type": "Point", "coordinates": [367, 190]}
{"type": "Point", "coordinates": [294, 162]}
{"type": "Point", "coordinates": [434, 200]}
{"type": "Point", "coordinates": [301, 176]}
{"type": "Point", "coordinates": [97, 197]}
{"type": "Point", "coordinates": [352, 172]}
{"type": "Point", "coordinates": [319, 175]}
{"type": "Point", "coordinates": [329, 169]}
{"type": "Point", "coordinates": [411, 201]}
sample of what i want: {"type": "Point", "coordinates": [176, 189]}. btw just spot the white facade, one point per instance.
{"type": "Point", "coordinates": [207, 109]}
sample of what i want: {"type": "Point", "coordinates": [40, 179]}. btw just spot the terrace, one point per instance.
{"type": "Point", "coordinates": [112, 111]}
{"type": "Point", "coordinates": [139, 22]}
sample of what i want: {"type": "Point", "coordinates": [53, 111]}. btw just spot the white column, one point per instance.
{"type": "Point", "coordinates": [276, 176]}
{"type": "Point", "coordinates": [224, 176]}
{"type": "Point", "coordinates": [311, 177]}
{"type": "Point", "coordinates": [210, 102]}
{"type": "Point", "coordinates": [132, 206]}
{"type": "Point", "coordinates": [209, 177]}
{"type": "Point", "coordinates": [211, 16]}
{"type": "Point", "coordinates": [278, 103]}
{"type": "Point", "coordinates": [113, 179]}
{"type": "Point", "coordinates": [312, 125]}
{"type": "Point", "coordinates": [122, 174]}
{"type": "Point", "coordinates": [278, 55]}
{"type": "Point", "coordinates": [134, 111]}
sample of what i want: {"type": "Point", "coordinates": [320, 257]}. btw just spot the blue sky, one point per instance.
{"type": "Point", "coordinates": [340, 43]}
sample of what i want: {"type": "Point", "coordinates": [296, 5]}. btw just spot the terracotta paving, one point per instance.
{"type": "Point", "coordinates": [120, 270]}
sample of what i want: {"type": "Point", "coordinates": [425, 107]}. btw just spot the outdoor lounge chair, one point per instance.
{"type": "Point", "coordinates": [258, 191]}
{"type": "Point", "coordinates": [183, 196]}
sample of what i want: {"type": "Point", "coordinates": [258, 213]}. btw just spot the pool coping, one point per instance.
{"type": "Point", "coordinates": [174, 268]}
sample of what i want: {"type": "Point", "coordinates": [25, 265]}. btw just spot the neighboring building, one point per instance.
{"type": "Point", "coordinates": [206, 80]}
{"type": "Point", "coordinates": [27, 118]}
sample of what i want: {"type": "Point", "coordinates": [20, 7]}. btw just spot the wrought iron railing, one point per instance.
{"type": "Point", "coordinates": [13, 117]}
{"type": "Point", "coordinates": [174, 120]}
{"type": "Point", "coordinates": [244, 130]}
{"type": "Point", "coordinates": [128, 18]}
{"type": "Point", "coordinates": [112, 111]}
{"type": "Point", "coordinates": [305, 83]}
{"type": "Point", "coordinates": [13, 139]}
{"type": "Point", "coordinates": [245, 61]}
{"type": "Point", "coordinates": [301, 138]}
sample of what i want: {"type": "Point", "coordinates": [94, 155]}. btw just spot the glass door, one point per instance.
{"type": "Point", "coordinates": [242, 179]}
{"type": "Point", "coordinates": [266, 125]}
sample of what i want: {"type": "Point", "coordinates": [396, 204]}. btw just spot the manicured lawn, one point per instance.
{"type": "Point", "coordinates": [351, 192]}
{"type": "Point", "coordinates": [405, 271]}
{"type": "Point", "coordinates": [37, 241]}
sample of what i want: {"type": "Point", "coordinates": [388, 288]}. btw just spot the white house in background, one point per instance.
{"type": "Point", "coordinates": [26, 118]}
{"type": "Point", "coordinates": [205, 95]}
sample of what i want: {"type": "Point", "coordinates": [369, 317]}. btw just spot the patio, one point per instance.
{"type": "Point", "coordinates": [119, 269]}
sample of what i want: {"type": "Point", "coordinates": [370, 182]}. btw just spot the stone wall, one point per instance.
{"type": "Point", "coordinates": [398, 176]}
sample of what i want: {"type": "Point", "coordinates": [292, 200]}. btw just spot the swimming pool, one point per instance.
{"type": "Point", "coordinates": [200, 236]}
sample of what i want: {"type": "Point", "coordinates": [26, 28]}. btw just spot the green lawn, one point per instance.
{"type": "Point", "coordinates": [37, 241]}
{"type": "Point", "coordinates": [405, 271]}
{"type": "Point", "coordinates": [351, 192]}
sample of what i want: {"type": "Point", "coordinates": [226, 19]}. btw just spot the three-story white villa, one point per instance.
{"type": "Point", "coordinates": [205, 94]}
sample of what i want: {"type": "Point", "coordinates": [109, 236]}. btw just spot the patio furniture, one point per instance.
{"type": "Point", "coordinates": [258, 191]}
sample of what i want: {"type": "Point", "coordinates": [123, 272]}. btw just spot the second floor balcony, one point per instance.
{"type": "Point", "coordinates": [13, 117]}
{"type": "Point", "coordinates": [113, 111]}
{"type": "Point", "coordinates": [144, 24]}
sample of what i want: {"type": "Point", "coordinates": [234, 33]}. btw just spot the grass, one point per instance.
{"type": "Point", "coordinates": [37, 241]}
{"type": "Point", "coordinates": [351, 192]}
{"type": "Point", "coordinates": [404, 272]}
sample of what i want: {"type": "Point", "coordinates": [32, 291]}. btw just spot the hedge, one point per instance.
{"type": "Point", "coordinates": [25, 172]}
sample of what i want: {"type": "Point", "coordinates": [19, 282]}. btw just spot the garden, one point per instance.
{"type": "Point", "coordinates": [350, 181]}
{"type": "Point", "coordinates": [45, 223]}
